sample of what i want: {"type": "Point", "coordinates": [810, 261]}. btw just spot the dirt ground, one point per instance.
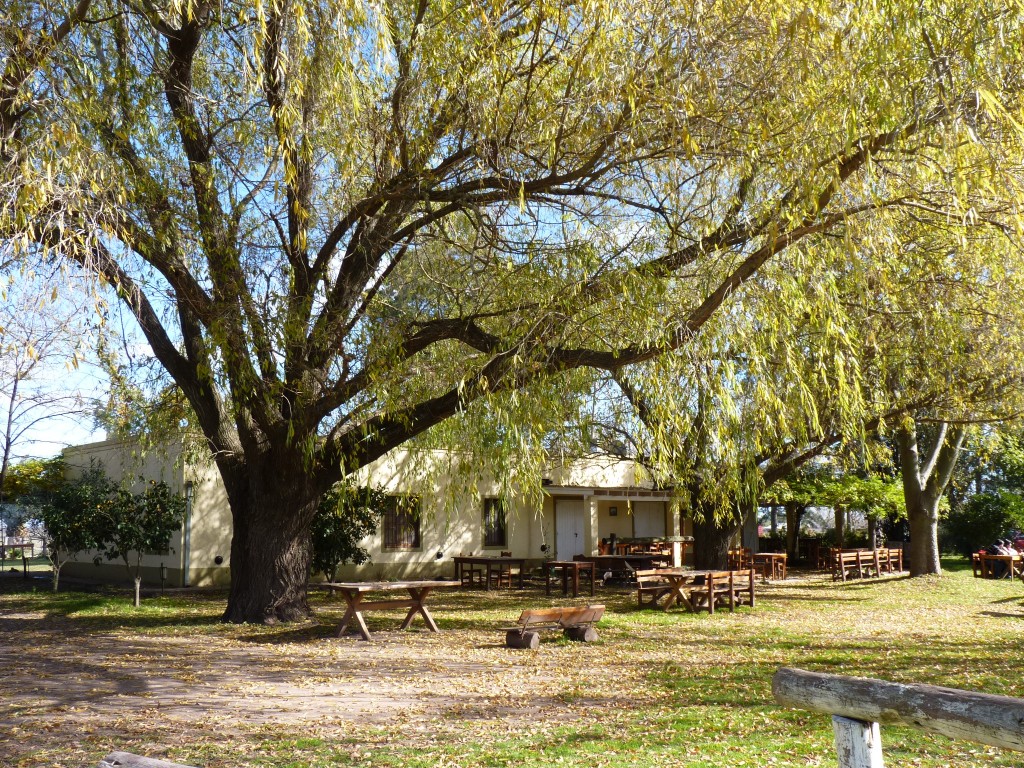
{"type": "Point", "coordinates": [68, 687]}
{"type": "Point", "coordinates": [76, 684]}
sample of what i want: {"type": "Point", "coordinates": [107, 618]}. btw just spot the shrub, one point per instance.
{"type": "Point", "coordinates": [345, 516]}
{"type": "Point", "coordinates": [984, 518]}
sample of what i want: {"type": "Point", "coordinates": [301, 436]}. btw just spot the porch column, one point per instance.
{"type": "Point", "coordinates": [676, 529]}
{"type": "Point", "coordinates": [591, 537]}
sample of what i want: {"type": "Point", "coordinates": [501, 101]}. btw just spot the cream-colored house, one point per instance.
{"type": "Point", "coordinates": [581, 503]}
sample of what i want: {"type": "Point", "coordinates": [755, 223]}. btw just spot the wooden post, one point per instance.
{"type": "Point", "coordinates": [858, 743]}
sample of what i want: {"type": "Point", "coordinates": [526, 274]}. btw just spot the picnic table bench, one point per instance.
{"type": "Point", "coordinates": [577, 623]}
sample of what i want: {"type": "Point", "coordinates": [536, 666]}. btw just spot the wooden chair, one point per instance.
{"type": "Point", "coordinates": [501, 573]}
{"type": "Point", "coordinates": [472, 576]}
{"type": "Point", "coordinates": [741, 588]}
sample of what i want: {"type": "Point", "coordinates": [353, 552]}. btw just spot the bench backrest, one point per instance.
{"type": "Point", "coordinates": [648, 577]}
{"type": "Point", "coordinates": [568, 617]}
{"type": "Point", "coordinates": [743, 578]}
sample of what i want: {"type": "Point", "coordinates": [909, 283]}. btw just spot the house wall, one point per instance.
{"type": "Point", "coordinates": [451, 513]}
{"type": "Point", "coordinates": [209, 550]}
{"type": "Point", "coordinates": [451, 517]}
{"type": "Point", "coordinates": [122, 464]}
{"type": "Point", "coordinates": [207, 515]}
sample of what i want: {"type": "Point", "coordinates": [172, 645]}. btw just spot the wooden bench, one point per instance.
{"type": "Point", "coordinates": [651, 583]}
{"type": "Point", "coordinates": [860, 563]}
{"type": "Point", "coordinates": [575, 622]}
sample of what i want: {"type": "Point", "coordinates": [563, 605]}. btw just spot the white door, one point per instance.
{"type": "Point", "coordinates": [568, 528]}
{"type": "Point", "coordinates": [648, 519]}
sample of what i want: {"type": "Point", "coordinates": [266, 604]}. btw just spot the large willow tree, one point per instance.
{"type": "Point", "coordinates": [899, 324]}
{"type": "Point", "coordinates": [340, 223]}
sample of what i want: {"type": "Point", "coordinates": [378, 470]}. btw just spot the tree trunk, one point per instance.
{"type": "Point", "coordinates": [272, 508]}
{"type": "Point", "coordinates": [793, 514]}
{"type": "Point", "coordinates": [711, 539]}
{"type": "Point", "coordinates": [872, 532]}
{"type": "Point", "coordinates": [840, 515]}
{"type": "Point", "coordinates": [923, 486]}
{"type": "Point", "coordinates": [138, 592]}
{"type": "Point", "coordinates": [923, 516]}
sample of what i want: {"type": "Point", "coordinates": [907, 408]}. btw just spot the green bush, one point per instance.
{"type": "Point", "coordinates": [346, 515]}
{"type": "Point", "coordinates": [984, 518]}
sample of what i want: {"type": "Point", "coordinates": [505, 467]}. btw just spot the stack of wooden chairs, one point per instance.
{"type": "Point", "coordinates": [741, 559]}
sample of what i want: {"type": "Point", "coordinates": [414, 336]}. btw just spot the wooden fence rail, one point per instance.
{"type": "Point", "coordinates": [858, 705]}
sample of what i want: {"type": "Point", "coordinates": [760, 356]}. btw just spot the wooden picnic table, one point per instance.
{"type": "Point", "coordinates": [1012, 566]}
{"type": "Point", "coordinates": [489, 562]}
{"type": "Point", "coordinates": [355, 591]}
{"type": "Point", "coordinates": [680, 582]}
{"type": "Point", "coordinates": [704, 590]}
{"type": "Point", "coordinates": [570, 574]}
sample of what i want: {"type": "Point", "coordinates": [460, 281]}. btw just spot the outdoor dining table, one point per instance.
{"type": "Point", "coordinates": [570, 574]}
{"type": "Point", "coordinates": [1013, 566]}
{"type": "Point", "coordinates": [490, 562]}
{"type": "Point", "coordinates": [354, 593]}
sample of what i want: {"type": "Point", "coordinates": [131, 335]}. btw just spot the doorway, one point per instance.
{"type": "Point", "coordinates": [568, 528]}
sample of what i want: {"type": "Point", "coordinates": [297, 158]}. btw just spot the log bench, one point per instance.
{"type": "Point", "coordinates": [577, 623]}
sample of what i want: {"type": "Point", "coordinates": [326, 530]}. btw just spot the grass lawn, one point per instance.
{"type": "Point", "coordinates": [35, 565]}
{"type": "Point", "coordinates": [85, 674]}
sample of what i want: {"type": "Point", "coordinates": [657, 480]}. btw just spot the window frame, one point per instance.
{"type": "Point", "coordinates": [401, 516]}
{"type": "Point", "coordinates": [488, 520]}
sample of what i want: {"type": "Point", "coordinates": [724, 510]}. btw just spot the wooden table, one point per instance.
{"type": "Point", "coordinates": [570, 573]}
{"type": "Point", "coordinates": [489, 562]}
{"type": "Point", "coordinates": [354, 593]}
{"type": "Point", "coordinates": [682, 584]}
{"type": "Point", "coordinates": [1012, 566]}
{"type": "Point", "coordinates": [771, 565]}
